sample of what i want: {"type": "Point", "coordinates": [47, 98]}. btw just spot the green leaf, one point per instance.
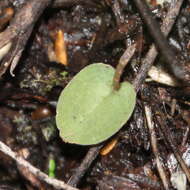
{"type": "Point", "coordinates": [89, 111]}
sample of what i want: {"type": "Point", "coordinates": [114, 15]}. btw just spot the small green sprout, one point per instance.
{"type": "Point", "coordinates": [51, 168]}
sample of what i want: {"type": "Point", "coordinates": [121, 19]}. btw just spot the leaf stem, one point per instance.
{"type": "Point", "coordinates": [125, 58]}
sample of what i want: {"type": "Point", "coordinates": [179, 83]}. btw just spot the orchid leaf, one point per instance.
{"type": "Point", "coordinates": [89, 110]}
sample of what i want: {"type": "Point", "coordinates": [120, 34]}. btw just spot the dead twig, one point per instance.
{"type": "Point", "coordinates": [175, 65]}
{"type": "Point", "coordinates": [144, 180]}
{"type": "Point", "coordinates": [186, 117]}
{"type": "Point", "coordinates": [24, 18]}
{"type": "Point", "coordinates": [87, 161]}
{"type": "Point", "coordinates": [23, 21]}
{"type": "Point", "coordinates": [150, 57]}
{"type": "Point", "coordinates": [15, 53]}
{"type": "Point", "coordinates": [167, 137]}
{"type": "Point", "coordinates": [155, 150]}
{"type": "Point", "coordinates": [35, 171]}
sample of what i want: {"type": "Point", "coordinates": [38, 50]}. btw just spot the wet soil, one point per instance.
{"type": "Point", "coordinates": [93, 32]}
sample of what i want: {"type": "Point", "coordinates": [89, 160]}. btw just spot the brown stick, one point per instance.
{"type": "Point", "coordinates": [166, 132]}
{"type": "Point", "coordinates": [155, 150]}
{"type": "Point", "coordinates": [87, 161]}
{"type": "Point", "coordinates": [142, 180]}
{"type": "Point", "coordinates": [15, 53]}
{"type": "Point", "coordinates": [150, 57]}
{"type": "Point", "coordinates": [20, 29]}
{"type": "Point", "coordinates": [174, 64]}
{"type": "Point", "coordinates": [23, 19]}
{"type": "Point", "coordinates": [35, 171]}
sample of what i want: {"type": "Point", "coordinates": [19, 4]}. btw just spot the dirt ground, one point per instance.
{"type": "Point", "coordinates": [89, 32]}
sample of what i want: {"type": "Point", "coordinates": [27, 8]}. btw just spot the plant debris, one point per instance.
{"type": "Point", "coordinates": [44, 44]}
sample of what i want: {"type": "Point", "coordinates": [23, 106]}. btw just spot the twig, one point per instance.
{"type": "Point", "coordinates": [42, 176]}
{"type": "Point", "coordinates": [23, 19]}
{"type": "Point", "coordinates": [160, 75]}
{"type": "Point", "coordinates": [166, 132]}
{"type": "Point", "coordinates": [185, 136]}
{"type": "Point", "coordinates": [174, 64]}
{"type": "Point", "coordinates": [87, 161]}
{"type": "Point", "coordinates": [125, 58]}
{"type": "Point", "coordinates": [166, 27]}
{"type": "Point", "coordinates": [146, 65]}
{"type": "Point", "coordinates": [20, 25]}
{"type": "Point", "coordinates": [143, 180]}
{"type": "Point", "coordinates": [15, 53]}
{"type": "Point", "coordinates": [186, 117]}
{"type": "Point", "coordinates": [4, 50]}
{"type": "Point", "coordinates": [152, 132]}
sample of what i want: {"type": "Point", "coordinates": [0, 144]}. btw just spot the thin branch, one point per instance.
{"type": "Point", "coordinates": [20, 29]}
{"type": "Point", "coordinates": [87, 161]}
{"type": "Point", "coordinates": [175, 65]}
{"type": "Point", "coordinates": [155, 150]}
{"type": "Point", "coordinates": [186, 117]}
{"type": "Point", "coordinates": [23, 19]}
{"type": "Point", "coordinates": [35, 171]}
{"type": "Point", "coordinates": [150, 57]}
{"type": "Point", "coordinates": [166, 132]}
{"type": "Point", "coordinates": [13, 56]}
{"type": "Point", "coordinates": [142, 180]}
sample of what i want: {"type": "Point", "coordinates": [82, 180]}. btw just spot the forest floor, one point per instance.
{"type": "Point", "coordinates": [43, 44]}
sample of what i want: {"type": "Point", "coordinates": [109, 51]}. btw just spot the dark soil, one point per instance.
{"type": "Point", "coordinates": [97, 31]}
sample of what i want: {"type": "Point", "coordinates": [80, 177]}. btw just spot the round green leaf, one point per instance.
{"type": "Point", "coordinates": [89, 111]}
